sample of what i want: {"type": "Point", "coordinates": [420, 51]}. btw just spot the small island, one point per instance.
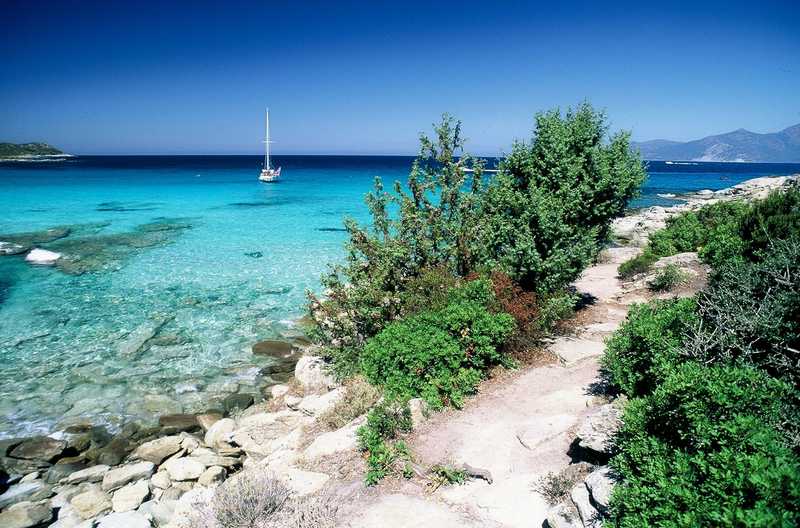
{"type": "Point", "coordinates": [30, 152]}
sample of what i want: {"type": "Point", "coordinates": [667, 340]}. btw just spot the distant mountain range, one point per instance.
{"type": "Point", "coordinates": [12, 150]}
{"type": "Point", "coordinates": [739, 145]}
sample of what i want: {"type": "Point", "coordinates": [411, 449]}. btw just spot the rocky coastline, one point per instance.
{"type": "Point", "coordinates": [144, 476]}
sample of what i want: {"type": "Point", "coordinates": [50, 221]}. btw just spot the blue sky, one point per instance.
{"type": "Point", "coordinates": [367, 77]}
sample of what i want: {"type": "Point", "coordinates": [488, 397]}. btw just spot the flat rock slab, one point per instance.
{"type": "Point", "coordinates": [90, 474]}
{"type": "Point", "coordinates": [405, 511]}
{"type": "Point", "coordinates": [91, 503]}
{"type": "Point", "coordinates": [158, 450]}
{"type": "Point", "coordinates": [571, 350]}
{"type": "Point", "coordinates": [129, 497]}
{"type": "Point", "coordinates": [26, 515]}
{"type": "Point", "coordinates": [20, 492]}
{"type": "Point", "coordinates": [116, 478]}
{"type": "Point", "coordinates": [124, 520]}
{"type": "Point", "coordinates": [39, 448]}
{"type": "Point", "coordinates": [187, 468]}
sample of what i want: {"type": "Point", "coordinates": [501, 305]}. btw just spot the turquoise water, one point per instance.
{"type": "Point", "coordinates": [191, 252]}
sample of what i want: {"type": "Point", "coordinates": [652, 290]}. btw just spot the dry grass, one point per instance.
{"type": "Point", "coordinates": [359, 397]}
{"type": "Point", "coordinates": [250, 499]}
{"type": "Point", "coordinates": [556, 487]}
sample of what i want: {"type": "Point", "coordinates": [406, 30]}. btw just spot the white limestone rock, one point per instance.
{"type": "Point", "coordinates": [118, 477]}
{"type": "Point", "coordinates": [90, 474]}
{"type": "Point", "coordinates": [130, 497]}
{"type": "Point", "coordinates": [187, 468]}
{"type": "Point", "coordinates": [42, 257]}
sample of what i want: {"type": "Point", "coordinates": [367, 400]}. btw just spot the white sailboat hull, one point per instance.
{"type": "Point", "coordinates": [269, 175]}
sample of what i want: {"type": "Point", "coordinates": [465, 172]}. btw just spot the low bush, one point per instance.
{"type": "Point", "coordinates": [359, 397]}
{"type": "Point", "coordinates": [667, 279]}
{"type": "Point", "coordinates": [378, 437]}
{"type": "Point", "coordinates": [556, 487]}
{"type": "Point", "coordinates": [777, 217]}
{"type": "Point", "coordinates": [445, 475]}
{"type": "Point", "coordinates": [313, 511]}
{"type": "Point", "coordinates": [250, 499]}
{"type": "Point", "coordinates": [440, 355]}
{"type": "Point", "coordinates": [648, 344]}
{"type": "Point", "coordinates": [701, 450]}
{"type": "Point", "coordinates": [637, 265]}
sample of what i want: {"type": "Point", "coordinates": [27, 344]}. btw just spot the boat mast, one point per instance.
{"type": "Point", "coordinates": [266, 142]}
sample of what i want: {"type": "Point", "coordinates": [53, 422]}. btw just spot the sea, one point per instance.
{"type": "Point", "coordinates": [177, 266]}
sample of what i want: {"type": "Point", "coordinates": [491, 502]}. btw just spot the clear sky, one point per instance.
{"type": "Point", "coordinates": [367, 77]}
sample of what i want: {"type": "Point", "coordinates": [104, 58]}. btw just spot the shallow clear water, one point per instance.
{"type": "Point", "coordinates": [191, 251]}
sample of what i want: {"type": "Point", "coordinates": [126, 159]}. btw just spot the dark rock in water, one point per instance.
{"type": "Point", "coordinates": [39, 448]}
{"type": "Point", "coordinates": [332, 229]}
{"type": "Point", "coordinates": [279, 366]}
{"type": "Point", "coordinates": [175, 423]}
{"type": "Point", "coordinates": [19, 466]}
{"type": "Point", "coordinates": [281, 377]}
{"type": "Point", "coordinates": [122, 207]}
{"type": "Point", "coordinates": [235, 402]}
{"type": "Point", "coordinates": [254, 254]}
{"type": "Point", "coordinates": [274, 348]}
{"type": "Point", "coordinates": [16, 243]}
{"type": "Point", "coordinates": [59, 471]}
{"type": "Point", "coordinates": [112, 453]}
{"type": "Point", "coordinates": [8, 444]}
{"type": "Point", "coordinates": [301, 341]}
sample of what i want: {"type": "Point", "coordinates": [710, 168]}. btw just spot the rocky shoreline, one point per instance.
{"type": "Point", "coordinates": [164, 476]}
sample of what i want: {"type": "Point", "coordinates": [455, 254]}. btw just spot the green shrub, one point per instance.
{"type": "Point", "coordinates": [439, 355]}
{"type": "Point", "coordinates": [648, 344]}
{"type": "Point", "coordinates": [751, 312]}
{"type": "Point", "coordinates": [776, 217]}
{"type": "Point", "coordinates": [377, 437]}
{"type": "Point", "coordinates": [684, 232]}
{"type": "Point", "coordinates": [638, 264]}
{"type": "Point", "coordinates": [701, 451]}
{"type": "Point", "coordinates": [668, 278]}
{"type": "Point", "coordinates": [547, 213]}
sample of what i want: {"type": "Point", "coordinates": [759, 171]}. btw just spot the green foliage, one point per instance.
{"type": "Point", "coordinates": [638, 264]}
{"type": "Point", "coordinates": [751, 312]}
{"type": "Point", "coordinates": [648, 344]}
{"type": "Point", "coordinates": [413, 232]}
{"type": "Point", "coordinates": [777, 217]}
{"type": "Point", "coordinates": [446, 475]}
{"type": "Point", "coordinates": [27, 149]}
{"type": "Point", "coordinates": [377, 437]}
{"type": "Point", "coordinates": [439, 355]}
{"type": "Point", "coordinates": [684, 232]}
{"type": "Point", "coordinates": [668, 278]}
{"type": "Point", "coordinates": [700, 451]}
{"type": "Point", "coordinates": [547, 213]}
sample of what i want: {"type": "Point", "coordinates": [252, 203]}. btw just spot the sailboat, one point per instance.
{"type": "Point", "coordinates": [268, 174]}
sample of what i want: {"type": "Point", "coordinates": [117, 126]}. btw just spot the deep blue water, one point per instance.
{"type": "Point", "coordinates": [195, 251]}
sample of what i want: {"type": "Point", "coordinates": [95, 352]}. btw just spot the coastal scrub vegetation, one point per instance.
{"type": "Point", "coordinates": [459, 272]}
{"type": "Point", "coordinates": [710, 434]}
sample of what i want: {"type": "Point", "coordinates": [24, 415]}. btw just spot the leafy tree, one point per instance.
{"type": "Point", "coordinates": [546, 215]}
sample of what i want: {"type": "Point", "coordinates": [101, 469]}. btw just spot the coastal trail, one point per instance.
{"type": "Point", "coordinates": [520, 427]}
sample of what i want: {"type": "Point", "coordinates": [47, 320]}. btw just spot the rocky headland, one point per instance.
{"type": "Point", "coordinates": [534, 442]}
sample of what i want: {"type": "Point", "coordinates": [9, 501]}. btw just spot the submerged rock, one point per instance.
{"type": "Point", "coordinates": [39, 448]}
{"type": "Point", "coordinates": [42, 257]}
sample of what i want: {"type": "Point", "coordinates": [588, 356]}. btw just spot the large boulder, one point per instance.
{"type": "Point", "coordinates": [597, 431]}
{"type": "Point", "coordinates": [312, 375]}
{"type": "Point", "coordinates": [129, 497]}
{"type": "Point", "coordinates": [600, 485]}
{"type": "Point", "coordinates": [217, 435]}
{"type": "Point", "coordinates": [26, 515]}
{"type": "Point", "coordinates": [161, 511]}
{"type": "Point", "coordinates": [116, 478]}
{"type": "Point", "coordinates": [129, 519]}
{"type": "Point", "coordinates": [326, 444]}
{"type": "Point", "coordinates": [590, 517]}
{"type": "Point", "coordinates": [562, 516]}
{"type": "Point", "coordinates": [90, 474]}
{"type": "Point", "coordinates": [316, 404]}
{"type": "Point", "coordinates": [21, 492]}
{"type": "Point", "coordinates": [42, 257]}
{"type": "Point", "coordinates": [39, 448]}
{"type": "Point", "coordinates": [176, 423]}
{"type": "Point", "coordinates": [158, 450]}
{"type": "Point", "coordinates": [91, 503]}
{"type": "Point", "coordinates": [187, 468]}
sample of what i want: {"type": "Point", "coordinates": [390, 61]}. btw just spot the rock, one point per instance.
{"type": "Point", "coordinates": [186, 507]}
{"type": "Point", "coordinates": [303, 482]}
{"type": "Point", "coordinates": [113, 453]}
{"type": "Point", "coordinates": [326, 444]}
{"type": "Point", "coordinates": [262, 433]}
{"type": "Point", "coordinates": [274, 348]}
{"type": "Point", "coordinates": [588, 514]}
{"type": "Point", "coordinates": [175, 423]}
{"type": "Point", "coordinates": [172, 493]}
{"type": "Point", "coordinates": [597, 430]}
{"type": "Point", "coordinates": [219, 432]}
{"type": "Point", "coordinates": [160, 480]}
{"type": "Point", "coordinates": [237, 402]}
{"type": "Point", "coordinates": [64, 495]}
{"type": "Point", "coordinates": [160, 404]}
{"type": "Point", "coordinates": [292, 401]}
{"type": "Point", "coordinates": [91, 503]}
{"type": "Point", "coordinates": [314, 405]}
{"type": "Point", "coordinates": [562, 516]}
{"type": "Point", "coordinates": [42, 257]}
{"type": "Point", "coordinates": [90, 474]}
{"type": "Point", "coordinates": [310, 373]}
{"type": "Point", "coordinates": [68, 518]}
{"type": "Point", "coordinates": [211, 459]}
{"type": "Point", "coordinates": [188, 468]}
{"type": "Point", "coordinates": [419, 411]}
{"type": "Point", "coordinates": [39, 448]}
{"type": "Point", "coordinates": [161, 512]}
{"type": "Point", "coordinates": [62, 470]}
{"type": "Point", "coordinates": [600, 485]}
{"type": "Point", "coordinates": [29, 477]}
{"type": "Point", "coordinates": [116, 478]}
{"type": "Point", "coordinates": [156, 451]}
{"type": "Point", "coordinates": [129, 497]}
{"type": "Point", "coordinates": [206, 420]}
{"type": "Point", "coordinates": [129, 519]}
{"type": "Point", "coordinates": [211, 476]}
{"type": "Point", "coordinates": [26, 515]}
{"type": "Point", "coordinates": [7, 248]}
{"type": "Point", "coordinates": [190, 443]}
{"type": "Point", "coordinates": [279, 390]}
{"type": "Point", "coordinates": [20, 492]}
